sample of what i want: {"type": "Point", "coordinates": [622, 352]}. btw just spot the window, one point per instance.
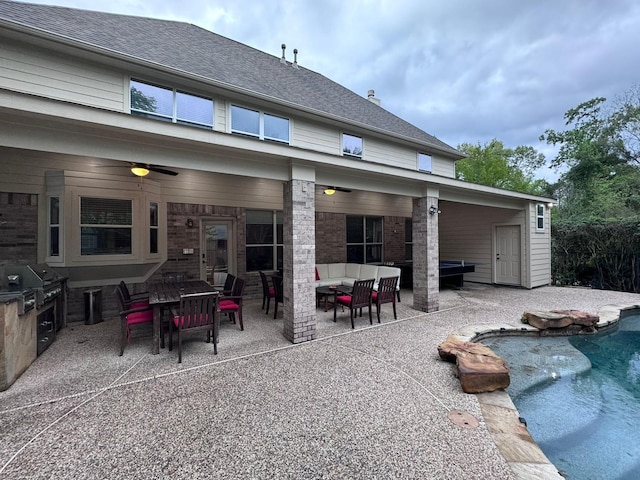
{"type": "Point", "coordinates": [540, 216]}
{"type": "Point", "coordinates": [351, 145]}
{"type": "Point", "coordinates": [408, 239]}
{"type": "Point", "coordinates": [54, 226]}
{"type": "Point", "coordinates": [424, 162]}
{"type": "Point", "coordinates": [364, 239]}
{"type": "Point", "coordinates": [259, 124]}
{"type": "Point", "coordinates": [264, 240]}
{"type": "Point", "coordinates": [170, 105]}
{"type": "Point", "coordinates": [106, 226]}
{"type": "Point", "coordinates": [153, 227]}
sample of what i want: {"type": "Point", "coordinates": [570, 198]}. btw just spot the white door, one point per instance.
{"type": "Point", "coordinates": [508, 255]}
{"type": "Point", "coordinates": [217, 249]}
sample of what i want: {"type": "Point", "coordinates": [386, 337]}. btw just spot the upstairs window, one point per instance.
{"type": "Point", "coordinates": [259, 124]}
{"type": "Point", "coordinates": [106, 226]}
{"type": "Point", "coordinates": [540, 217]}
{"type": "Point", "coordinates": [351, 145]}
{"type": "Point", "coordinates": [424, 162]}
{"type": "Point", "coordinates": [170, 105]}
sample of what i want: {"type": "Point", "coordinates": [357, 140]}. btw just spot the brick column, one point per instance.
{"type": "Point", "coordinates": [426, 258]}
{"type": "Point", "coordinates": [299, 261]}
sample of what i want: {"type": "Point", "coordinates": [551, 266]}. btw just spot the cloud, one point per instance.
{"type": "Point", "coordinates": [464, 71]}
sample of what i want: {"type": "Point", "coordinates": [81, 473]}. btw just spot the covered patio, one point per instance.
{"type": "Point", "coordinates": [364, 403]}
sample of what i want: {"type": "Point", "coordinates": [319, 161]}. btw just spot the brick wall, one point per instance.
{"type": "Point", "coordinates": [331, 235]}
{"type": "Point", "coordinates": [18, 228]}
{"type": "Point", "coordinates": [394, 239]}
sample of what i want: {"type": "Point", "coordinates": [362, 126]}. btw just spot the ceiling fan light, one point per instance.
{"type": "Point", "coordinates": [139, 170]}
{"type": "Point", "coordinates": [329, 191]}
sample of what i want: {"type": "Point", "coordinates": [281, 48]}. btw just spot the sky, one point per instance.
{"type": "Point", "coordinates": [466, 71]}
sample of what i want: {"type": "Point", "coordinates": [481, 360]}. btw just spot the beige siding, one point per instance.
{"type": "Point", "coordinates": [315, 137]}
{"type": "Point", "coordinates": [386, 153]}
{"type": "Point", "coordinates": [540, 248]}
{"type": "Point", "coordinates": [364, 203]}
{"type": "Point", "coordinates": [443, 166]}
{"type": "Point", "coordinates": [48, 74]}
{"type": "Point", "coordinates": [466, 232]}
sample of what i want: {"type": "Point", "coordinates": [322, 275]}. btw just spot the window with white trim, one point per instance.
{"type": "Point", "coordinates": [255, 123]}
{"type": "Point", "coordinates": [54, 226]}
{"type": "Point", "coordinates": [364, 239]}
{"type": "Point", "coordinates": [264, 240]}
{"type": "Point", "coordinates": [170, 105]}
{"type": "Point", "coordinates": [106, 226]}
{"type": "Point", "coordinates": [351, 145]}
{"type": "Point", "coordinates": [540, 217]}
{"type": "Point", "coordinates": [408, 239]}
{"type": "Point", "coordinates": [153, 227]}
{"type": "Point", "coordinates": [424, 162]}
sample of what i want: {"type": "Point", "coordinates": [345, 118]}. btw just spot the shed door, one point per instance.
{"type": "Point", "coordinates": [508, 255]}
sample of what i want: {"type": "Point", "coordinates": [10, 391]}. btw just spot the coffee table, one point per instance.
{"type": "Point", "coordinates": [323, 293]}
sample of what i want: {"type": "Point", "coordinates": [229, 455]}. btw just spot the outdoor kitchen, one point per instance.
{"type": "Point", "coordinates": [32, 311]}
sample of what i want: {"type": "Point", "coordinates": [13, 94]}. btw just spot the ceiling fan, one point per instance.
{"type": "Point", "coordinates": [143, 169]}
{"type": "Point", "coordinates": [329, 190]}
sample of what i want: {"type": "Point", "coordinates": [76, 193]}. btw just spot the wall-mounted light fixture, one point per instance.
{"type": "Point", "coordinates": [433, 210]}
{"type": "Point", "coordinates": [139, 170]}
{"type": "Point", "coordinates": [329, 191]}
{"type": "Point", "coordinates": [189, 223]}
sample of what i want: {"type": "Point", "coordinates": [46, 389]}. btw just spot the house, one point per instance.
{"type": "Point", "coordinates": [256, 140]}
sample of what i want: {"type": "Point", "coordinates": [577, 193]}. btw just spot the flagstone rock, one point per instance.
{"type": "Point", "coordinates": [556, 319]}
{"type": "Point", "coordinates": [479, 369]}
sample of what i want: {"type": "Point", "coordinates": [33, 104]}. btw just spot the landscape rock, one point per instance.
{"type": "Point", "coordinates": [479, 369]}
{"type": "Point", "coordinates": [544, 320]}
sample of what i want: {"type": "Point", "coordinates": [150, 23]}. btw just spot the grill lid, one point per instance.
{"type": "Point", "coordinates": [33, 275]}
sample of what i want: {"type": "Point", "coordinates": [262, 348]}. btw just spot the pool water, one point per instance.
{"type": "Point", "coordinates": [580, 397]}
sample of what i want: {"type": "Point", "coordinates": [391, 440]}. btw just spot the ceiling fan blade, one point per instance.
{"type": "Point", "coordinates": [341, 189]}
{"type": "Point", "coordinates": [162, 170]}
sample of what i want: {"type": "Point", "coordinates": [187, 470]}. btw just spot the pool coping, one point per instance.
{"type": "Point", "coordinates": [525, 458]}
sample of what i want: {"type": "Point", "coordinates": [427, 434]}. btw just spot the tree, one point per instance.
{"type": "Point", "coordinates": [140, 101]}
{"type": "Point", "coordinates": [602, 151]}
{"type": "Point", "coordinates": [494, 165]}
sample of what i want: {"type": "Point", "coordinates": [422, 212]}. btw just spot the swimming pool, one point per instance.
{"type": "Point", "coordinates": [580, 397]}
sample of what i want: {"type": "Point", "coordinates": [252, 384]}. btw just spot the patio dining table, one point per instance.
{"type": "Point", "coordinates": [165, 294]}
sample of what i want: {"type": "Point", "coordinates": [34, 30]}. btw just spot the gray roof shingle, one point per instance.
{"type": "Point", "coordinates": [194, 50]}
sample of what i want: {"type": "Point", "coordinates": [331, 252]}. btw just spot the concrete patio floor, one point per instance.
{"type": "Point", "coordinates": [374, 402]}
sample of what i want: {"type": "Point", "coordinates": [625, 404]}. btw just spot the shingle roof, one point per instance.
{"type": "Point", "coordinates": [194, 50]}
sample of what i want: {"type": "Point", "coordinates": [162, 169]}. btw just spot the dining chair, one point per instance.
{"type": "Point", "coordinates": [198, 311]}
{"type": "Point", "coordinates": [232, 304]}
{"type": "Point", "coordinates": [229, 282]}
{"type": "Point", "coordinates": [267, 292]}
{"type": "Point", "coordinates": [134, 300]}
{"type": "Point", "coordinates": [278, 294]}
{"type": "Point", "coordinates": [386, 293]}
{"type": "Point", "coordinates": [130, 316]}
{"type": "Point", "coordinates": [359, 298]}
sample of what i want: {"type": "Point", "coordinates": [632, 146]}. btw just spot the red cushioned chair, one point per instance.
{"type": "Point", "coordinates": [232, 304]}
{"type": "Point", "coordinates": [386, 293]}
{"type": "Point", "coordinates": [267, 292]}
{"type": "Point", "coordinates": [360, 297]}
{"type": "Point", "coordinates": [135, 300]}
{"type": "Point", "coordinates": [130, 316]}
{"type": "Point", "coordinates": [198, 311]}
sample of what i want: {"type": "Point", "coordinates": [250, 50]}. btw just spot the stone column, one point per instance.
{"type": "Point", "coordinates": [299, 260]}
{"type": "Point", "coordinates": [426, 258]}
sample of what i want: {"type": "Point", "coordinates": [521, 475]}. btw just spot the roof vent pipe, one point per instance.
{"type": "Point", "coordinates": [283, 60]}
{"type": "Point", "coordinates": [295, 58]}
{"type": "Point", "coordinates": [371, 95]}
